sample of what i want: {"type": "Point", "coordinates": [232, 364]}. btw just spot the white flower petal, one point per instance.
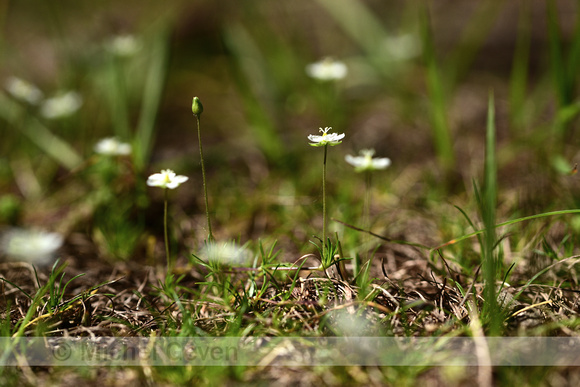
{"type": "Point", "coordinates": [366, 162]}
{"type": "Point", "coordinates": [23, 90]}
{"type": "Point", "coordinates": [381, 163]}
{"type": "Point", "coordinates": [354, 161]}
{"type": "Point", "coordinates": [226, 253]}
{"type": "Point", "coordinates": [62, 105]}
{"type": "Point", "coordinates": [112, 147]}
{"type": "Point", "coordinates": [166, 179]}
{"type": "Point", "coordinates": [327, 69]}
{"type": "Point", "coordinates": [326, 138]}
{"type": "Point", "coordinates": [124, 45]}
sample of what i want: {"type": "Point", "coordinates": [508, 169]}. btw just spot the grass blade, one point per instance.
{"type": "Point", "coordinates": [490, 264]}
{"type": "Point", "coordinates": [255, 85]}
{"type": "Point", "coordinates": [556, 55]}
{"type": "Point", "coordinates": [438, 104]}
{"type": "Point", "coordinates": [519, 73]}
{"type": "Point", "coordinates": [472, 38]}
{"type": "Point", "coordinates": [152, 97]}
{"type": "Point", "coordinates": [117, 98]}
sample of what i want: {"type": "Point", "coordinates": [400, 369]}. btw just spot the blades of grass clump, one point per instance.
{"type": "Point", "coordinates": [266, 261]}
{"type": "Point", "coordinates": [152, 96]}
{"type": "Point", "coordinates": [38, 298]}
{"type": "Point", "coordinates": [437, 99]}
{"type": "Point", "coordinates": [271, 254]}
{"type": "Point", "coordinates": [55, 147]}
{"type": "Point", "coordinates": [59, 291]}
{"type": "Point", "coordinates": [55, 271]}
{"type": "Point", "coordinates": [55, 296]}
{"type": "Point", "coordinates": [262, 252]}
{"type": "Point", "coordinates": [489, 200]}
{"type": "Point", "coordinates": [519, 74]}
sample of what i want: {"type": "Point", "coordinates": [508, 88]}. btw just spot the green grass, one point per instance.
{"type": "Point", "coordinates": [481, 199]}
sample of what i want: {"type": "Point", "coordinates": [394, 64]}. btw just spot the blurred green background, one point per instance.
{"type": "Point", "coordinates": [419, 77]}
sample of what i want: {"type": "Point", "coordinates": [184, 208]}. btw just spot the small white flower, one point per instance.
{"type": "Point", "coordinates": [23, 90]}
{"type": "Point", "coordinates": [348, 324]}
{"type": "Point", "coordinates": [226, 253]}
{"type": "Point", "coordinates": [124, 45]}
{"type": "Point", "coordinates": [366, 162]}
{"type": "Point", "coordinates": [327, 69]}
{"type": "Point", "coordinates": [402, 47]}
{"type": "Point", "coordinates": [62, 105]}
{"type": "Point", "coordinates": [33, 246]}
{"type": "Point", "coordinates": [166, 179]}
{"type": "Point", "coordinates": [326, 138]}
{"type": "Point", "coordinates": [112, 147]}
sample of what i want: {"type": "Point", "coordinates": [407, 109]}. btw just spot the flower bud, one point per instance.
{"type": "Point", "coordinates": [196, 107]}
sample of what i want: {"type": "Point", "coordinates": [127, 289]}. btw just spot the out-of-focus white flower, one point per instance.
{"type": "Point", "coordinates": [23, 90]}
{"type": "Point", "coordinates": [326, 138]}
{"type": "Point", "coordinates": [226, 253]}
{"type": "Point", "coordinates": [327, 69]}
{"type": "Point", "coordinates": [166, 179]}
{"type": "Point", "coordinates": [33, 246]}
{"type": "Point", "coordinates": [402, 47]}
{"type": "Point", "coordinates": [124, 45]}
{"type": "Point", "coordinates": [62, 105]}
{"type": "Point", "coordinates": [112, 147]}
{"type": "Point", "coordinates": [366, 162]}
{"type": "Point", "coordinates": [348, 324]}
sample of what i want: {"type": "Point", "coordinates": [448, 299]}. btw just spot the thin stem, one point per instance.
{"type": "Point", "coordinates": [367, 206]}
{"type": "Point", "coordinates": [367, 203]}
{"type": "Point", "coordinates": [324, 201]}
{"type": "Point", "coordinates": [210, 237]}
{"type": "Point", "coordinates": [169, 264]}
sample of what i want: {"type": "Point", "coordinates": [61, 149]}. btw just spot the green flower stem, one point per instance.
{"type": "Point", "coordinates": [210, 237]}
{"type": "Point", "coordinates": [367, 205]}
{"type": "Point", "coordinates": [324, 201]}
{"type": "Point", "coordinates": [169, 263]}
